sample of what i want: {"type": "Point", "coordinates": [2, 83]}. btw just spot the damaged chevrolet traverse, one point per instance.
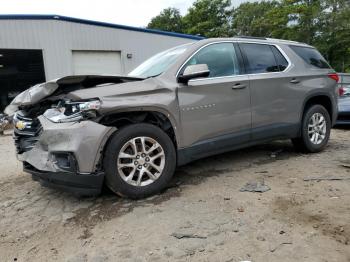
{"type": "Point", "coordinates": [192, 101]}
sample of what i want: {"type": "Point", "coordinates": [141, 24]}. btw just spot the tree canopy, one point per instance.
{"type": "Point", "coordinates": [210, 18]}
{"type": "Point", "coordinates": [169, 19]}
{"type": "Point", "coordinates": [324, 24]}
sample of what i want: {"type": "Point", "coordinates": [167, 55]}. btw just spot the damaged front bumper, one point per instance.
{"type": "Point", "coordinates": [62, 155]}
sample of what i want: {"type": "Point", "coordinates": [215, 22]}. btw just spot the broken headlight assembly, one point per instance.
{"type": "Point", "coordinates": [69, 111]}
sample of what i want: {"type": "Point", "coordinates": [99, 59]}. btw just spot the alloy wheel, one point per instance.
{"type": "Point", "coordinates": [317, 128]}
{"type": "Point", "coordinates": [141, 161]}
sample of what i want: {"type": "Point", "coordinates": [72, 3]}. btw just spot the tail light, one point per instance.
{"type": "Point", "coordinates": [334, 76]}
{"type": "Point", "coordinates": [341, 91]}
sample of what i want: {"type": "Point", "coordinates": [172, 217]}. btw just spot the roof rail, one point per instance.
{"type": "Point", "coordinates": [285, 41]}
{"type": "Point", "coordinates": [251, 37]}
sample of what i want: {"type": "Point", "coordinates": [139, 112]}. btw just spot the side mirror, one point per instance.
{"type": "Point", "coordinates": [194, 71]}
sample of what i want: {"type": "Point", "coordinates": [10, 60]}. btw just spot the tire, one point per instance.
{"type": "Point", "coordinates": [122, 175]}
{"type": "Point", "coordinates": [307, 142]}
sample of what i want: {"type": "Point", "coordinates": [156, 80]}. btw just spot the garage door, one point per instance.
{"type": "Point", "coordinates": [96, 62]}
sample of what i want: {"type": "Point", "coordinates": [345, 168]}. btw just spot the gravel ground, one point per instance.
{"type": "Point", "coordinates": [202, 216]}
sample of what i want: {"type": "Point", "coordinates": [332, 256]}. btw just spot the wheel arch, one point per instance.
{"type": "Point", "coordinates": [156, 116]}
{"type": "Point", "coordinates": [319, 98]}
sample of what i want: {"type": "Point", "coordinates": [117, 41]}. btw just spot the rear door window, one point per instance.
{"type": "Point", "coordinates": [311, 56]}
{"type": "Point", "coordinates": [260, 58]}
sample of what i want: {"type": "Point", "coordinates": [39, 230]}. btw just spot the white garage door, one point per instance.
{"type": "Point", "coordinates": [96, 62]}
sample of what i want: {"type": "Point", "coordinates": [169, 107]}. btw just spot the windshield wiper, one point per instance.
{"type": "Point", "coordinates": [153, 76]}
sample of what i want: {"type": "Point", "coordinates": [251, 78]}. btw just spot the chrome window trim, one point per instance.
{"type": "Point", "coordinates": [238, 42]}
{"type": "Point", "coordinates": [217, 77]}
{"type": "Point", "coordinates": [199, 72]}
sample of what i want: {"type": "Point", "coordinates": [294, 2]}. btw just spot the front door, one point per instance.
{"type": "Point", "coordinates": [215, 111]}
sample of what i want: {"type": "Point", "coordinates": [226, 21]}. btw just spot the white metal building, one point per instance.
{"type": "Point", "coordinates": [35, 48]}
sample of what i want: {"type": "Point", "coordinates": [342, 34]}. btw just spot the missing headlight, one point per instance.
{"type": "Point", "coordinates": [68, 111]}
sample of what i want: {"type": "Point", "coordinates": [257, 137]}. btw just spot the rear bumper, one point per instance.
{"type": "Point", "coordinates": [78, 184]}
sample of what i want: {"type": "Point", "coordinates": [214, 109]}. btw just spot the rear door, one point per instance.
{"type": "Point", "coordinates": [215, 111]}
{"type": "Point", "coordinates": [272, 93]}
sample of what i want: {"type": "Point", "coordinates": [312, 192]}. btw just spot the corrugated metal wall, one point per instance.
{"type": "Point", "coordinates": [58, 38]}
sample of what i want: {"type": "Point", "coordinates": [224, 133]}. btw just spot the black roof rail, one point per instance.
{"type": "Point", "coordinates": [251, 37]}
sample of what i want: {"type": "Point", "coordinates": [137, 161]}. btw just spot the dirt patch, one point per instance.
{"type": "Point", "coordinates": [111, 207]}
{"type": "Point", "coordinates": [296, 211]}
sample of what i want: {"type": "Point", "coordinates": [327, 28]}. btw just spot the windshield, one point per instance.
{"type": "Point", "coordinates": [158, 63]}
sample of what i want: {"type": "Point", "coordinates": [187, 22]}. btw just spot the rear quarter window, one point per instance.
{"type": "Point", "coordinates": [311, 56]}
{"type": "Point", "coordinates": [282, 62]}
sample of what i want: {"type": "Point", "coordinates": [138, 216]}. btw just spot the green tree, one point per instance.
{"type": "Point", "coordinates": [250, 19]}
{"type": "Point", "coordinates": [333, 37]}
{"type": "Point", "coordinates": [169, 19]}
{"type": "Point", "coordinates": [294, 20]}
{"type": "Point", "coordinates": [210, 18]}
{"type": "Point", "coordinates": [324, 24]}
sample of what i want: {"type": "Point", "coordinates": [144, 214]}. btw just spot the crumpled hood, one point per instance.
{"type": "Point", "coordinates": [106, 92]}
{"type": "Point", "coordinates": [38, 92]}
{"type": "Point", "coordinates": [31, 96]}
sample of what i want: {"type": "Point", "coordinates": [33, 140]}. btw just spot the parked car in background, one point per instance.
{"type": "Point", "coordinates": [344, 99]}
{"type": "Point", "coordinates": [5, 123]}
{"type": "Point", "coordinates": [186, 103]}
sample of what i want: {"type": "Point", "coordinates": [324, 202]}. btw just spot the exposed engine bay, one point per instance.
{"type": "Point", "coordinates": [37, 99]}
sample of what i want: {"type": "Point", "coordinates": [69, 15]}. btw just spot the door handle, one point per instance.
{"type": "Point", "coordinates": [295, 81]}
{"type": "Point", "coordinates": [239, 86]}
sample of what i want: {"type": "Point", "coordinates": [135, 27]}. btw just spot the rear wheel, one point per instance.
{"type": "Point", "coordinates": [139, 161]}
{"type": "Point", "coordinates": [315, 130]}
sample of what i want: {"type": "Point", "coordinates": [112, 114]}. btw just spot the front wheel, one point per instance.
{"type": "Point", "coordinates": [315, 130]}
{"type": "Point", "coordinates": [139, 161]}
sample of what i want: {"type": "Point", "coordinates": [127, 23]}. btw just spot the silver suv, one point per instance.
{"type": "Point", "coordinates": [189, 102]}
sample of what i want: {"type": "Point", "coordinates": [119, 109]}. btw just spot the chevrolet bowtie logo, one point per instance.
{"type": "Point", "coordinates": [20, 125]}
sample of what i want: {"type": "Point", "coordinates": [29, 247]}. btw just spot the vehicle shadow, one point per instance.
{"type": "Point", "coordinates": [108, 206]}
{"type": "Point", "coordinates": [235, 161]}
{"type": "Point", "coordinates": [342, 127]}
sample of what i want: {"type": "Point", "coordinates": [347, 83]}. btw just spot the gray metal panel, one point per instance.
{"type": "Point", "coordinates": [57, 39]}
